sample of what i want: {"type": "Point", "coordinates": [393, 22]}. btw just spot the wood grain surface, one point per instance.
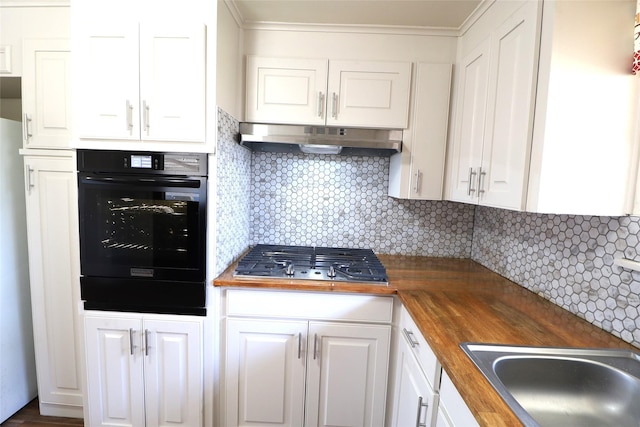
{"type": "Point", "coordinates": [457, 300]}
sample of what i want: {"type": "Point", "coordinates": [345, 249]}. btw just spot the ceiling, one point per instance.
{"type": "Point", "coordinates": [449, 14]}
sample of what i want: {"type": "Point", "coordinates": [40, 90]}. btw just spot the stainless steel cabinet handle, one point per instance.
{"type": "Point", "coordinates": [29, 178]}
{"type": "Point", "coordinates": [146, 342]}
{"type": "Point", "coordinates": [416, 187]}
{"type": "Point", "coordinates": [409, 334]}
{"type": "Point", "coordinates": [315, 346]}
{"type": "Point", "coordinates": [299, 345]}
{"type": "Point", "coordinates": [131, 346]}
{"type": "Point", "coordinates": [481, 175]}
{"type": "Point", "coordinates": [320, 104]}
{"type": "Point", "coordinates": [129, 115]}
{"type": "Point", "coordinates": [334, 105]}
{"type": "Point", "coordinates": [146, 107]}
{"type": "Point", "coordinates": [27, 127]}
{"type": "Point", "coordinates": [421, 404]}
{"type": "Point", "coordinates": [470, 189]}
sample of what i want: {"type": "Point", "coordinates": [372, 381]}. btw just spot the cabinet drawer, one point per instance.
{"type": "Point", "coordinates": [425, 356]}
{"type": "Point", "coordinates": [309, 305]}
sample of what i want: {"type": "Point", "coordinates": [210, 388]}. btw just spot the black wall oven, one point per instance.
{"type": "Point", "coordinates": [143, 231]}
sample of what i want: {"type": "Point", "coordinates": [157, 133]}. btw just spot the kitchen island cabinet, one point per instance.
{"type": "Point", "coordinates": [457, 300]}
{"type": "Point", "coordinates": [143, 369]}
{"type": "Point", "coordinates": [299, 359]}
{"type": "Point", "coordinates": [328, 92]}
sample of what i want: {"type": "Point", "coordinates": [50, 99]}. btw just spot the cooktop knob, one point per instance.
{"type": "Point", "coordinates": [332, 272]}
{"type": "Point", "coordinates": [289, 271]}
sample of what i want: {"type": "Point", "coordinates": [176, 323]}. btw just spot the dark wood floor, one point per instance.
{"type": "Point", "coordinates": [29, 416]}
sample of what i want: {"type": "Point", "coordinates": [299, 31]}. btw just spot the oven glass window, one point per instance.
{"type": "Point", "coordinates": [142, 233]}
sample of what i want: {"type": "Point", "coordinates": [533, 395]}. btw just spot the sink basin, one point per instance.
{"type": "Point", "coordinates": [546, 386]}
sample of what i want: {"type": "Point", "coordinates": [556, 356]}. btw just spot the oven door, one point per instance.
{"type": "Point", "coordinates": [146, 227]}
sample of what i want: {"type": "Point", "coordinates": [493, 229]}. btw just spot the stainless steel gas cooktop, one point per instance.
{"type": "Point", "coordinates": [312, 263]}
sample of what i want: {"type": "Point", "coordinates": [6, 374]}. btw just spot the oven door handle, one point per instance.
{"type": "Point", "coordinates": [165, 182]}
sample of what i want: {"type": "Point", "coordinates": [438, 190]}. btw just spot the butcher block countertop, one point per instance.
{"type": "Point", "coordinates": [457, 300]}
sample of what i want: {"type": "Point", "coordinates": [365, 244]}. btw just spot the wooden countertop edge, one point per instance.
{"type": "Point", "coordinates": [457, 300]}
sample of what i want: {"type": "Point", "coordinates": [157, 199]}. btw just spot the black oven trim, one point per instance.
{"type": "Point", "coordinates": [144, 296]}
{"type": "Point", "coordinates": [172, 290]}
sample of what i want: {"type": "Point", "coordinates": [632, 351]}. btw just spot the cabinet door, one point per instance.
{"type": "Point", "coordinates": [505, 158]}
{"type": "Point", "coordinates": [173, 372]}
{"type": "Point", "coordinates": [52, 232]}
{"type": "Point", "coordinates": [115, 384]}
{"type": "Point", "coordinates": [46, 92]}
{"type": "Point", "coordinates": [172, 81]}
{"type": "Point", "coordinates": [367, 93]}
{"type": "Point", "coordinates": [418, 171]}
{"type": "Point", "coordinates": [468, 138]}
{"type": "Point", "coordinates": [415, 403]}
{"type": "Point", "coordinates": [457, 410]}
{"type": "Point", "coordinates": [264, 373]}
{"type": "Point", "coordinates": [108, 79]}
{"type": "Point", "coordinates": [284, 90]}
{"type": "Point", "coordinates": [347, 374]}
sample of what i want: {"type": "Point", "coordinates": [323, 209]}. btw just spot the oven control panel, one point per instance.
{"type": "Point", "coordinates": [142, 162]}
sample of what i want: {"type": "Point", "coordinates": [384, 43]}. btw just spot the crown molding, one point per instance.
{"type": "Point", "coordinates": [360, 29]}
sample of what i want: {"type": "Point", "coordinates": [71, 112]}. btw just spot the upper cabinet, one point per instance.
{"type": "Point", "coordinates": [495, 94]}
{"type": "Point", "coordinates": [328, 92]}
{"type": "Point", "coordinates": [545, 112]}
{"type": "Point", "coordinates": [46, 93]}
{"type": "Point", "coordinates": [418, 171]}
{"type": "Point", "coordinates": [141, 77]}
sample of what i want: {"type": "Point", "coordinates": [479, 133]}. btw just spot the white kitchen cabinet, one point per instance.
{"type": "Point", "coordinates": [54, 271]}
{"type": "Point", "coordinates": [28, 20]}
{"type": "Point", "coordinates": [456, 411]}
{"type": "Point", "coordinates": [417, 377]}
{"type": "Point", "coordinates": [46, 93]}
{"type": "Point", "coordinates": [265, 372]}
{"type": "Point", "coordinates": [328, 92]}
{"type": "Point", "coordinates": [418, 171]}
{"type": "Point", "coordinates": [141, 76]}
{"type": "Point", "coordinates": [346, 374]}
{"type": "Point", "coordinates": [527, 135]}
{"type": "Point", "coordinates": [495, 100]}
{"type": "Point", "coordinates": [415, 401]}
{"type": "Point", "coordinates": [282, 368]}
{"type": "Point", "coordinates": [143, 370]}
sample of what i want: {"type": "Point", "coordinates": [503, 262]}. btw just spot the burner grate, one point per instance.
{"type": "Point", "coordinates": [314, 263]}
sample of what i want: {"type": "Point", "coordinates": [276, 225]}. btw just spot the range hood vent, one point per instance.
{"type": "Point", "coordinates": [320, 140]}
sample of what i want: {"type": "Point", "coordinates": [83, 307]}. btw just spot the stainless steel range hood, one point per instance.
{"type": "Point", "coordinates": [320, 139]}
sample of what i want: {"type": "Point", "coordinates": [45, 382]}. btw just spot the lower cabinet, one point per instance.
{"type": "Point", "coordinates": [455, 411]}
{"type": "Point", "coordinates": [424, 395]}
{"type": "Point", "coordinates": [415, 402]}
{"type": "Point", "coordinates": [329, 371]}
{"type": "Point", "coordinates": [54, 271]}
{"type": "Point", "coordinates": [143, 370]}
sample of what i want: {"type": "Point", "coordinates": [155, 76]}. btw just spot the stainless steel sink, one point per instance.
{"type": "Point", "coordinates": [547, 386]}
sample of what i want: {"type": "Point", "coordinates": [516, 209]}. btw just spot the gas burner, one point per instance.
{"type": "Point", "coordinates": [312, 263]}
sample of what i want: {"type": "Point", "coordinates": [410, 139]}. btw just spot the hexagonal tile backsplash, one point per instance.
{"type": "Point", "coordinates": [567, 259]}
{"type": "Point", "coordinates": [338, 201]}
